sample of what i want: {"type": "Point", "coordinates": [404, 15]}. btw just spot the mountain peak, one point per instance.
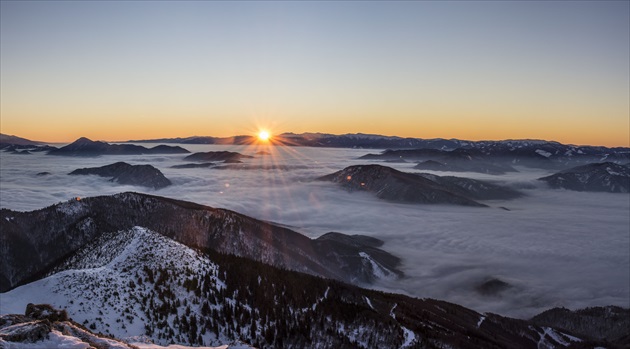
{"type": "Point", "coordinates": [83, 140]}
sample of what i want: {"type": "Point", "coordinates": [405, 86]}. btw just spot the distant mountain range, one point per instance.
{"type": "Point", "coordinates": [22, 146]}
{"type": "Point", "coordinates": [87, 147]}
{"type": "Point", "coordinates": [361, 140]}
{"type": "Point", "coordinates": [492, 157]}
{"type": "Point", "coordinates": [603, 177]}
{"type": "Point", "coordinates": [500, 157]}
{"type": "Point", "coordinates": [9, 139]}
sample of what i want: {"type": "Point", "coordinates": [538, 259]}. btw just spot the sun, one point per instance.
{"type": "Point", "coordinates": [264, 135]}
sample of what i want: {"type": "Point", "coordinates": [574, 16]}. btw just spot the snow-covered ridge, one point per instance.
{"type": "Point", "coordinates": [112, 277]}
{"type": "Point", "coordinates": [142, 287]}
{"type": "Point", "coordinates": [57, 231]}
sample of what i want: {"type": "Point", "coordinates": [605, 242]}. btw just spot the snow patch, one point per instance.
{"type": "Point", "coordinates": [612, 172]}
{"type": "Point", "coordinates": [55, 340]}
{"type": "Point", "coordinates": [410, 337]}
{"type": "Point", "coordinates": [367, 300]}
{"type": "Point", "coordinates": [481, 319]}
{"type": "Point", "coordinates": [391, 312]}
{"type": "Point", "coordinates": [378, 271]}
{"type": "Point", "coordinates": [543, 153]}
{"type": "Point", "coordinates": [556, 337]}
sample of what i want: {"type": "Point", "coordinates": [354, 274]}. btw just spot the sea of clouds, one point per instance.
{"type": "Point", "coordinates": [556, 247]}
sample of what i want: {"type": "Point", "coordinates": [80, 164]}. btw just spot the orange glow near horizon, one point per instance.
{"type": "Point", "coordinates": [476, 127]}
{"type": "Point", "coordinates": [579, 136]}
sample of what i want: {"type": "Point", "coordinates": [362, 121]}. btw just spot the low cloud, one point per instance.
{"type": "Point", "coordinates": [554, 247]}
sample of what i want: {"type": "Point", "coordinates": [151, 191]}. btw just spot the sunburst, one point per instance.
{"type": "Point", "coordinates": [264, 135]}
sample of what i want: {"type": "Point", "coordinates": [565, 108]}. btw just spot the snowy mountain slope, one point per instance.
{"type": "Point", "coordinates": [32, 242]}
{"type": "Point", "coordinates": [500, 157]}
{"type": "Point", "coordinates": [610, 323]}
{"type": "Point", "coordinates": [102, 285]}
{"type": "Point", "coordinates": [141, 286]}
{"type": "Point", "coordinates": [605, 176]}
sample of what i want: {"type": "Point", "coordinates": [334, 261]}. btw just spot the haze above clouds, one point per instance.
{"type": "Point", "coordinates": [557, 248]}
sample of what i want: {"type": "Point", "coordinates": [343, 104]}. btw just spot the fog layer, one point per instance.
{"type": "Point", "coordinates": [555, 247]}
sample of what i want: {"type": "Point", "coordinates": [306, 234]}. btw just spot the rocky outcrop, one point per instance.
{"type": "Point", "coordinates": [46, 327]}
{"type": "Point", "coordinates": [124, 173]}
{"type": "Point", "coordinates": [45, 312]}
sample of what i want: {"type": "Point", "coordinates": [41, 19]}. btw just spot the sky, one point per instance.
{"type": "Point", "coordinates": [116, 70]}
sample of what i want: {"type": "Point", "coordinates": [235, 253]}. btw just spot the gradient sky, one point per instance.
{"type": "Point", "coordinates": [116, 70]}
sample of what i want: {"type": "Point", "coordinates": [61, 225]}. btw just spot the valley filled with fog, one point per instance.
{"type": "Point", "coordinates": [554, 247]}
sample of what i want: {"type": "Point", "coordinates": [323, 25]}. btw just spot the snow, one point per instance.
{"type": "Point", "coordinates": [95, 290]}
{"type": "Point", "coordinates": [560, 337]}
{"type": "Point", "coordinates": [378, 271]}
{"type": "Point", "coordinates": [556, 337]}
{"type": "Point", "coordinates": [391, 312]}
{"type": "Point", "coordinates": [612, 172]}
{"type": "Point", "coordinates": [410, 337]}
{"type": "Point", "coordinates": [55, 340]}
{"type": "Point", "coordinates": [367, 300]}
{"type": "Point", "coordinates": [481, 319]}
{"type": "Point", "coordinates": [71, 207]}
{"type": "Point", "coordinates": [543, 153]}
{"type": "Point", "coordinates": [175, 346]}
{"type": "Point", "coordinates": [321, 299]}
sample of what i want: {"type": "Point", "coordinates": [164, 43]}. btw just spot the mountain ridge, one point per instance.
{"type": "Point", "coordinates": [87, 147]}
{"type": "Point", "coordinates": [596, 177]}
{"type": "Point", "coordinates": [74, 223]}
{"type": "Point", "coordinates": [124, 173]}
{"type": "Point", "coordinates": [321, 139]}
{"type": "Point", "coordinates": [417, 188]}
{"type": "Point", "coordinates": [11, 139]}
